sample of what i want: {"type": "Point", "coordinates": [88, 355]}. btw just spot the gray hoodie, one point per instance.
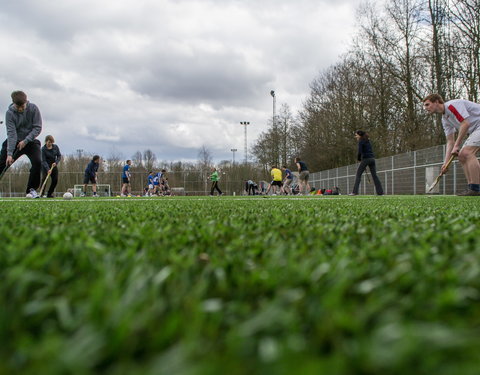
{"type": "Point", "coordinates": [22, 126]}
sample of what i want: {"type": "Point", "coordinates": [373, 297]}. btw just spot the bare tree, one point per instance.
{"type": "Point", "coordinates": [137, 159]}
{"type": "Point", "coordinates": [149, 159]}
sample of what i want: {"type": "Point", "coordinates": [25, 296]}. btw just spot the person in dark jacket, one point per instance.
{"type": "Point", "coordinates": [91, 176]}
{"type": "Point", "coordinates": [303, 176]}
{"type": "Point", "coordinates": [24, 124]}
{"type": "Point", "coordinates": [367, 159]}
{"type": "Point", "coordinates": [51, 156]}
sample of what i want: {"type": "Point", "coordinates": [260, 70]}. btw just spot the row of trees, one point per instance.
{"type": "Point", "coordinates": [402, 51]}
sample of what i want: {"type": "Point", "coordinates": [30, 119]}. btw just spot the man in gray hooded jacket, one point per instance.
{"type": "Point", "coordinates": [24, 124]}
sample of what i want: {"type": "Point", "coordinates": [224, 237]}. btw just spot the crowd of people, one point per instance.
{"type": "Point", "coordinates": [24, 124]}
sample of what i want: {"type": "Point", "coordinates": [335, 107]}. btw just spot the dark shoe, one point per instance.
{"type": "Point", "coordinates": [50, 196]}
{"type": "Point", "coordinates": [469, 193]}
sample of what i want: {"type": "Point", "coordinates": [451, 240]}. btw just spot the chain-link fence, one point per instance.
{"type": "Point", "coordinates": [409, 173]}
{"type": "Point", "coordinates": [14, 182]}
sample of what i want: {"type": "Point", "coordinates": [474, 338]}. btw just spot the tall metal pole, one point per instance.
{"type": "Point", "coordinates": [274, 109]}
{"type": "Point", "coordinates": [274, 122]}
{"type": "Point", "coordinates": [245, 123]}
{"type": "Point", "coordinates": [233, 151]}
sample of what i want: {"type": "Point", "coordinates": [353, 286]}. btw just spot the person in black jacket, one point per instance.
{"type": "Point", "coordinates": [91, 176]}
{"type": "Point", "coordinates": [366, 158]}
{"type": "Point", "coordinates": [51, 156]}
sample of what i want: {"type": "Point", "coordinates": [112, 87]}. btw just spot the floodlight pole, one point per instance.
{"type": "Point", "coordinates": [233, 151]}
{"type": "Point", "coordinates": [272, 93]}
{"type": "Point", "coordinates": [274, 122]}
{"type": "Point", "coordinates": [245, 123]}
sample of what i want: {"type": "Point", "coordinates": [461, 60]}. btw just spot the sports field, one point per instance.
{"type": "Point", "coordinates": [185, 285]}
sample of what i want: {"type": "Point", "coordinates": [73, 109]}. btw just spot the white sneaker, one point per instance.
{"type": "Point", "coordinates": [34, 193]}
{"type": "Point", "coordinates": [83, 195]}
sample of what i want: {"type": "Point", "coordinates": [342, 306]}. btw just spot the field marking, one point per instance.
{"type": "Point", "coordinates": [225, 198]}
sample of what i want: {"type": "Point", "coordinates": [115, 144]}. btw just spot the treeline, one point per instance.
{"type": "Point", "coordinates": [401, 52]}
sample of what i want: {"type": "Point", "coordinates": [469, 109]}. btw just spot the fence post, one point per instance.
{"type": "Point", "coordinates": [393, 178]}
{"type": "Point", "coordinates": [386, 181]}
{"type": "Point", "coordinates": [414, 172]}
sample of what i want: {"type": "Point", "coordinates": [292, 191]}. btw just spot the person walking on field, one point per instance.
{"type": "Point", "coordinates": [91, 176]}
{"type": "Point", "coordinates": [51, 156]}
{"type": "Point", "coordinates": [460, 116]}
{"type": "Point", "coordinates": [214, 178]}
{"type": "Point", "coordinates": [24, 124]}
{"type": "Point", "coordinates": [303, 176]}
{"type": "Point", "coordinates": [126, 187]}
{"type": "Point", "coordinates": [367, 159]}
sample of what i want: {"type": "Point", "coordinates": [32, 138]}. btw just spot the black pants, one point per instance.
{"type": "Point", "coordinates": [370, 163]}
{"type": "Point", "coordinates": [215, 186]}
{"type": "Point", "coordinates": [53, 180]}
{"type": "Point", "coordinates": [34, 153]}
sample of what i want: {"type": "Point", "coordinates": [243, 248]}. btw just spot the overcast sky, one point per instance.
{"type": "Point", "coordinates": [117, 76]}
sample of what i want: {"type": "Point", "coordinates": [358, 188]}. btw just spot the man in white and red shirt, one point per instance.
{"type": "Point", "coordinates": [460, 116]}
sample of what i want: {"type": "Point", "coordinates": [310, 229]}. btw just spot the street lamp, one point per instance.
{"type": "Point", "coordinates": [274, 122]}
{"type": "Point", "coordinates": [245, 123]}
{"type": "Point", "coordinates": [233, 151]}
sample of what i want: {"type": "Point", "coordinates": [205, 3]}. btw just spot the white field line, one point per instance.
{"type": "Point", "coordinates": [260, 198]}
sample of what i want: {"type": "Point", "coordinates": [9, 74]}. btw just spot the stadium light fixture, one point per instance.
{"type": "Point", "coordinates": [245, 123]}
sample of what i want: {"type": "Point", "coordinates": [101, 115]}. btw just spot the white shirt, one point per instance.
{"type": "Point", "coordinates": [458, 110]}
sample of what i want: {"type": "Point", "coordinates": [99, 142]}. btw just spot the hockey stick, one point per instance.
{"type": "Point", "coordinates": [437, 180]}
{"type": "Point", "coordinates": [45, 182]}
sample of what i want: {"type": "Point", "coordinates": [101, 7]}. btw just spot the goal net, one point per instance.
{"type": "Point", "coordinates": [103, 190]}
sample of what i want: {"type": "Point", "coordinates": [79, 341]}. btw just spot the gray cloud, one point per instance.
{"type": "Point", "coordinates": [166, 75]}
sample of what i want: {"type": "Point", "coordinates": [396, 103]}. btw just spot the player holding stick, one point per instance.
{"type": "Point", "coordinates": [460, 116]}
{"type": "Point", "coordinates": [24, 124]}
{"type": "Point", "coordinates": [51, 156]}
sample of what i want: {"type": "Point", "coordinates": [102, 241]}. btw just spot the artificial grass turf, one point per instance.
{"type": "Point", "coordinates": [240, 285]}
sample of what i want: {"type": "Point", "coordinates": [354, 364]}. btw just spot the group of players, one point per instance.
{"type": "Point", "coordinates": [157, 183]}
{"type": "Point", "coordinates": [24, 124]}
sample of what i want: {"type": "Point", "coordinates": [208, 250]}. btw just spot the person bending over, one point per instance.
{"type": "Point", "coordinates": [24, 124]}
{"type": "Point", "coordinates": [462, 117]}
{"type": "Point", "coordinates": [91, 176]}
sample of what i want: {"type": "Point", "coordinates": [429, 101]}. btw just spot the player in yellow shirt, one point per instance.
{"type": "Point", "coordinates": [276, 183]}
